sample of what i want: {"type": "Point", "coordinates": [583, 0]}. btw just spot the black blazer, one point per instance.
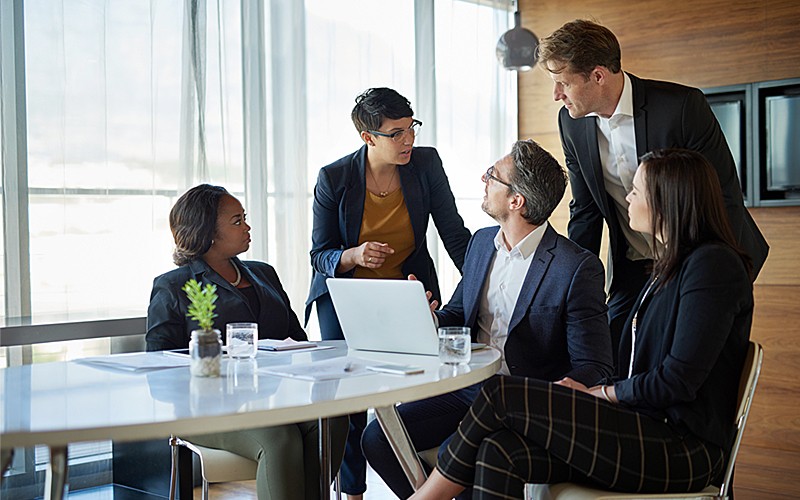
{"type": "Point", "coordinates": [339, 208]}
{"type": "Point", "coordinates": [665, 115]}
{"type": "Point", "coordinates": [691, 343]}
{"type": "Point", "coordinates": [168, 327]}
{"type": "Point", "coordinates": [559, 326]}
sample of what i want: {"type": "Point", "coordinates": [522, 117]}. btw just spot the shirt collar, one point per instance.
{"type": "Point", "coordinates": [625, 103]}
{"type": "Point", "coordinates": [526, 246]}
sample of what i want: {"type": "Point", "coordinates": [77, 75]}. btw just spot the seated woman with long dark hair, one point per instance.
{"type": "Point", "coordinates": [666, 423]}
{"type": "Point", "coordinates": [210, 230]}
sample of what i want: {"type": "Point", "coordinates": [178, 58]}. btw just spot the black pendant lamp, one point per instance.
{"type": "Point", "coordinates": [516, 49]}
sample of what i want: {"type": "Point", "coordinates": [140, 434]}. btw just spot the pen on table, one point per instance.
{"type": "Point", "coordinates": [349, 367]}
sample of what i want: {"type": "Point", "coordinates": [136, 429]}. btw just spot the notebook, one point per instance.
{"type": "Point", "coordinates": [384, 315]}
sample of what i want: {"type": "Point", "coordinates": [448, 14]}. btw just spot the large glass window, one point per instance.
{"type": "Point", "coordinates": [131, 103]}
{"type": "Point", "coordinates": [113, 113]}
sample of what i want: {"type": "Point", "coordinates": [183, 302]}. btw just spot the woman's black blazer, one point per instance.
{"type": "Point", "coordinates": [339, 208]}
{"type": "Point", "coordinates": [168, 327]}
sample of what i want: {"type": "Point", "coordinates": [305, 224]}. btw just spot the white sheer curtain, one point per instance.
{"type": "Point", "coordinates": [476, 107]}
{"type": "Point", "coordinates": [124, 113]}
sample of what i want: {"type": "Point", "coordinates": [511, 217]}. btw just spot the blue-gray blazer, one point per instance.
{"type": "Point", "coordinates": [339, 208]}
{"type": "Point", "coordinates": [559, 326]}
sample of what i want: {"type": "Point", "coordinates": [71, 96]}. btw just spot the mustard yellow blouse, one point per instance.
{"type": "Point", "coordinates": [386, 220]}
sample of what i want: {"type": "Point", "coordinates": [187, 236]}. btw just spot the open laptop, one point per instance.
{"type": "Point", "coordinates": [384, 315]}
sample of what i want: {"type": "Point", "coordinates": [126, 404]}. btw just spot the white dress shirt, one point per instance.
{"type": "Point", "coordinates": [501, 290]}
{"type": "Point", "coordinates": [616, 140]}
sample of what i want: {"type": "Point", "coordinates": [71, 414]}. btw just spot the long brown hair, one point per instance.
{"type": "Point", "coordinates": [686, 207]}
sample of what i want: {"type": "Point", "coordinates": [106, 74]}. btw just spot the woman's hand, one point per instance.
{"type": "Point", "coordinates": [573, 384]}
{"type": "Point", "coordinates": [597, 391]}
{"type": "Point", "coordinates": [370, 254]}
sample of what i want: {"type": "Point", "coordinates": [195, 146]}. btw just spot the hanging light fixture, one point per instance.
{"type": "Point", "coordinates": [516, 49]}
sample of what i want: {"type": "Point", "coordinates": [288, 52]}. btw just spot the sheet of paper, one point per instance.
{"type": "Point", "coordinates": [328, 369]}
{"type": "Point", "coordinates": [289, 345]}
{"type": "Point", "coordinates": [137, 361]}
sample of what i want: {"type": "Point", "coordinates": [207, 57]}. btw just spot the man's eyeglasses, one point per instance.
{"type": "Point", "coordinates": [490, 175]}
{"type": "Point", "coordinates": [399, 135]}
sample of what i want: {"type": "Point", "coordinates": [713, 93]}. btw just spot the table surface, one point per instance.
{"type": "Point", "coordinates": [66, 402]}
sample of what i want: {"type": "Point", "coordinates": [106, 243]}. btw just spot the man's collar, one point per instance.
{"type": "Point", "coordinates": [526, 245]}
{"type": "Point", "coordinates": [625, 103]}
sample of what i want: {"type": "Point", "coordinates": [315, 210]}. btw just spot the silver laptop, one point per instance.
{"type": "Point", "coordinates": [384, 315]}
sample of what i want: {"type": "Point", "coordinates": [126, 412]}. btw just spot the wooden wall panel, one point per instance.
{"type": "Point", "coordinates": [710, 43]}
{"type": "Point", "coordinates": [781, 227]}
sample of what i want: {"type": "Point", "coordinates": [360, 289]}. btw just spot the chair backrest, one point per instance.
{"type": "Point", "coordinates": [747, 388]}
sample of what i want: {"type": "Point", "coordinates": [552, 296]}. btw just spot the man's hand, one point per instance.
{"type": "Point", "coordinates": [433, 304]}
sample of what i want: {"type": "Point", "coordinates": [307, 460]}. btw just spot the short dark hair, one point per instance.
{"type": "Point", "coordinates": [377, 104]}
{"type": "Point", "coordinates": [579, 46]}
{"type": "Point", "coordinates": [193, 222]}
{"type": "Point", "coordinates": [686, 207]}
{"type": "Point", "coordinates": [539, 178]}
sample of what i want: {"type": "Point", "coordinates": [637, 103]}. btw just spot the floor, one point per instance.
{"type": "Point", "coordinates": [376, 490]}
{"type": "Point", "coordinates": [245, 490]}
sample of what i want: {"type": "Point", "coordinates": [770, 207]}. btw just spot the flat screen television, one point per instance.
{"type": "Point", "coordinates": [730, 115]}
{"type": "Point", "coordinates": [782, 141]}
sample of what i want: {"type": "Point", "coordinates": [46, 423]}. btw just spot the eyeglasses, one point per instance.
{"type": "Point", "coordinates": [489, 174]}
{"type": "Point", "coordinates": [399, 135]}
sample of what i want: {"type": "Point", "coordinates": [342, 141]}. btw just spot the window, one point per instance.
{"type": "Point", "coordinates": [131, 103]}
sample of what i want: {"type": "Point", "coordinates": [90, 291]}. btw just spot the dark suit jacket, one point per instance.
{"type": "Point", "coordinates": [339, 208]}
{"type": "Point", "coordinates": [691, 342]}
{"type": "Point", "coordinates": [666, 115]}
{"type": "Point", "coordinates": [168, 327]}
{"type": "Point", "coordinates": [559, 326]}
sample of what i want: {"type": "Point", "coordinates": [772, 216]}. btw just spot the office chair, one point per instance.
{"type": "Point", "coordinates": [216, 466]}
{"type": "Point", "coordinates": [747, 388]}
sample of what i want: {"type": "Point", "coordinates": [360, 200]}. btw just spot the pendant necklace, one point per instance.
{"type": "Point", "coordinates": [238, 275]}
{"type": "Point", "coordinates": [382, 194]}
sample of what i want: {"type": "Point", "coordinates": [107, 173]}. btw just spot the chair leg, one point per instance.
{"type": "Point", "coordinates": [173, 472]}
{"type": "Point", "coordinates": [205, 489]}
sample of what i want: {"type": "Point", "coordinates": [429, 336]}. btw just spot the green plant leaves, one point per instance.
{"type": "Point", "coordinates": [201, 303]}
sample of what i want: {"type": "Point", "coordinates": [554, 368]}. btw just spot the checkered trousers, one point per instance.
{"type": "Point", "coordinates": [521, 430]}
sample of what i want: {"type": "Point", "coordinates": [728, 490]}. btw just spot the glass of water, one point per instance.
{"type": "Point", "coordinates": [454, 345]}
{"type": "Point", "coordinates": [242, 340]}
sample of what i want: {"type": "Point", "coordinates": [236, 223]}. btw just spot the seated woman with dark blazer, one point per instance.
{"type": "Point", "coordinates": [666, 423]}
{"type": "Point", "coordinates": [209, 228]}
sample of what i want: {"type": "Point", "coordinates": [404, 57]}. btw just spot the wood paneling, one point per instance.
{"type": "Point", "coordinates": [703, 43]}
{"type": "Point", "coordinates": [710, 43]}
{"type": "Point", "coordinates": [780, 226]}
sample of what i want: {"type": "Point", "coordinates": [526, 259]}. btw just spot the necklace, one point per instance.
{"type": "Point", "coordinates": [238, 276]}
{"type": "Point", "coordinates": [635, 321]}
{"type": "Point", "coordinates": [382, 194]}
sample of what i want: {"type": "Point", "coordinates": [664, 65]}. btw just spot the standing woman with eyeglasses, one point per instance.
{"type": "Point", "coordinates": [371, 212]}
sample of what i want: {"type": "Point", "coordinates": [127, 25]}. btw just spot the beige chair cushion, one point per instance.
{"type": "Point", "coordinates": [570, 491]}
{"type": "Point", "coordinates": [220, 466]}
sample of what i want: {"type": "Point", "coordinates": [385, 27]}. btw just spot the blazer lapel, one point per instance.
{"type": "Point", "coordinates": [412, 193]}
{"type": "Point", "coordinates": [476, 278]}
{"type": "Point", "coordinates": [594, 173]}
{"type": "Point", "coordinates": [536, 271]}
{"type": "Point", "coordinates": [355, 191]}
{"type": "Point", "coordinates": [203, 272]}
{"type": "Point", "coordinates": [639, 115]}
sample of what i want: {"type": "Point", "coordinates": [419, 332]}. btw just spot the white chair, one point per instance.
{"type": "Point", "coordinates": [216, 466]}
{"type": "Point", "coordinates": [747, 388]}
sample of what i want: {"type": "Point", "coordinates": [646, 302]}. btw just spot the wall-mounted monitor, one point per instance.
{"type": "Point", "coordinates": [782, 141]}
{"type": "Point", "coordinates": [777, 140]}
{"type": "Point", "coordinates": [729, 105]}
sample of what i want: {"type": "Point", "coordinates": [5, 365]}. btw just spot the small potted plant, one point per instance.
{"type": "Point", "coordinates": [205, 346]}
